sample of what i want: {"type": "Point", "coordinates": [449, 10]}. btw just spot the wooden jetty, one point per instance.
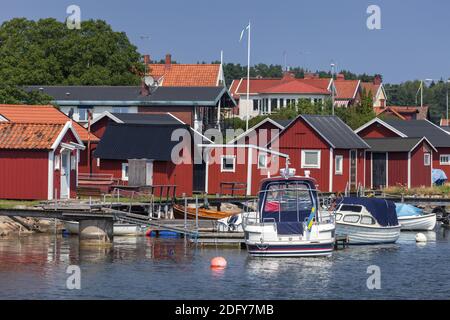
{"type": "Point", "coordinates": [232, 239]}
{"type": "Point", "coordinates": [341, 242]}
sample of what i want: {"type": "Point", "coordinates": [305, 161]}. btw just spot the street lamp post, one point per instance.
{"type": "Point", "coordinates": [332, 88]}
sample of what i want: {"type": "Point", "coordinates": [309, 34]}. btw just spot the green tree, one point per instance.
{"type": "Point", "coordinates": [46, 52]}
{"type": "Point", "coordinates": [14, 95]}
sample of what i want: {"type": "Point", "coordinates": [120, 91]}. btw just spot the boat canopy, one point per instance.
{"type": "Point", "coordinates": [382, 210]}
{"type": "Point", "coordinates": [406, 210]}
{"type": "Point", "coordinates": [287, 202]}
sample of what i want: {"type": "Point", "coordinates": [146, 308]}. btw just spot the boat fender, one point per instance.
{"type": "Point", "coordinates": [420, 237]}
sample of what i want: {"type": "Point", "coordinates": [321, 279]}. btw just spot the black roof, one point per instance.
{"type": "Point", "coordinates": [138, 141]}
{"type": "Point", "coordinates": [130, 95]}
{"type": "Point", "coordinates": [422, 128]}
{"type": "Point", "coordinates": [392, 144]}
{"type": "Point", "coordinates": [335, 132]}
{"type": "Point", "coordinates": [143, 118]}
{"type": "Point", "coordinates": [446, 128]}
{"type": "Point", "coordinates": [283, 123]}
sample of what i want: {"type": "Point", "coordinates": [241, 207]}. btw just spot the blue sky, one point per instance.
{"type": "Point", "coordinates": [412, 44]}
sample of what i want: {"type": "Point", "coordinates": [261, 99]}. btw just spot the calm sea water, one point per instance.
{"type": "Point", "coordinates": [148, 268]}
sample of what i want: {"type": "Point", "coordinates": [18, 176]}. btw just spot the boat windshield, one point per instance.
{"type": "Point", "coordinates": [287, 202]}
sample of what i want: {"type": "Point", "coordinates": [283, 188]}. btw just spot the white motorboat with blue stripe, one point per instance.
{"type": "Point", "coordinates": [288, 221]}
{"type": "Point", "coordinates": [367, 221]}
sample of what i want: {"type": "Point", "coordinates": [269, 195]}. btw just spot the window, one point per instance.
{"type": "Point", "coordinates": [444, 159]}
{"type": "Point", "coordinates": [83, 114]}
{"type": "Point", "coordinates": [262, 161]}
{"type": "Point", "coordinates": [125, 171]}
{"type": "Point", "coordinates": [427, 159]}
{"type": "Point", "coordinates": [120, 110]}
{"type": "Point", "coordinates": [228, 163]}
{"type": "Point", "coordinates": [351, 208]}
{"type": "Point", "coordinates": [281, 103]}
{"type": "Point", "coordinates": [57, 162]}
{"type": "Point", "coordinates": [311, 159]}
{"type": "Point", "coordinates": [339, 164]}
{"type": "Point", "coordinates": [367, 220]}
{"type": "Point", "coordinates": [73, 162]}
{"type": "Point", "coordinates": [255, 105]}
{"type": "Point", "coordinates": [351, 218]}
{"type": "Point", "coordinates": [273, 104]}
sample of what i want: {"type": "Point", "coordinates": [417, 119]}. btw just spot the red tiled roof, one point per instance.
{"type": "Point", "coordinates": [322, 83]}
{"type": "Point", "coordinates": [28, 135]}
{"type": "Point", "coordinates": [256, 85]}
{"type": "Point", "coordinates": [445, 122]}
{"type": "Point", "coordinates": [346, 89]}
{"type": "Point", "coordinates": [422, 112]}
{"type": "Point", "coordinates": [280, 85]}
{"type": "Point", "coordinates": [380, 110]}
{"type": "Point", "coordinates": [402, 111]}
{"type": "Point", "coordinates": [371, 87]}
{"type": "Point", "coordinates": [295, 86]}
{"type": "Point", "coordinates": [186, 75]}
{"type": "Point", "coordinates": [41, 114]}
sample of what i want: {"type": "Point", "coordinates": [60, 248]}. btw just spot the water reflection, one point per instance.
{"type": "Point", "coordinates": [156, 268]}
{"type": "Point", "coordinates": [302, 272]}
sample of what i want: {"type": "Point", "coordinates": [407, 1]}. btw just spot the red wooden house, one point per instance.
{"type": "Point", "coordinates": [239, 168]}
{"type": "Point", "coordinates": [38, 160]}
{"type": "Point", "coordinates": [397, 161]}
{"type": "Point", "coordinates": [437, 144]}
{"type": "Point", "coordinates": [126, 136]}
{"type": "Point", "coordinates": [50, 114]}
{"type": "Point", "coordinates": [325, 148]}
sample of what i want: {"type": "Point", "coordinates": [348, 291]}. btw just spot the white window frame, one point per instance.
{"type": "Point", "coordinates": [341, 171]}
{"type": "Point", "coordinates": [57, 162]}
{"type": "Point", "coordinates": [86, 110]}
{"type": "Point", "coordinates": [427, 159]}
{"type": "Point", "coordinates": [444, 163]}
{"type": "Point", "coordinates": [265, 162]}
{"type": "Point", "coordinates": [222, 158]}
{"type": "Point", "coordinates": [124, 175]}
{"type": "Point", "coordinates": [308, 166]}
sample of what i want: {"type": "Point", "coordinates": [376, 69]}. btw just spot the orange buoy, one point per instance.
{"type": "Point", "coordinates": [218, 263]}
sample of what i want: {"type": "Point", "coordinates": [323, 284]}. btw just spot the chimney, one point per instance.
{"type": "Point", "coordinates": [377, 79]}
{"type": "Point", "coordinates": [147, 59]}
{"type": "Point", "coordinates": [288, 76]}
{"type": "Point", "coordinates": [145, 90]}
{"type": "Point", "coordinates": [311, 75]}
{"type": "Point", "coordinates": [168, 61]}
{"type": "Point", "coordinates": [340, 76]}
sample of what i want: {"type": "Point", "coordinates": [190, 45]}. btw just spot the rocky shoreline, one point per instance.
{"type": "Point", "coordinates": [11, 226]}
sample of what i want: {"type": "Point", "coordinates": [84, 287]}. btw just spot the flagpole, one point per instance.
{"type": "Point", "coordinates": [248, 77]}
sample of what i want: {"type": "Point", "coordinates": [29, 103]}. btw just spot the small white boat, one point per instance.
{"type": "Point", "coordinates": [414, 219]}
{"type": "Point", "coordinates": [289, 221]}
{"type": "Point", "coordinates": [119, 229]}
{"type": "Point", "coordinates": [367, 221]}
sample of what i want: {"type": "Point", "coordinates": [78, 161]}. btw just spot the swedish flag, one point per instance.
{"type": "Point", "coordinates": [311, 218]}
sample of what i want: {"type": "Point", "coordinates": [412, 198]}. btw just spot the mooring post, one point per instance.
{"type": "Point", "coordinates": [196, 212]}
{"type": "Point", "coordinates": [185, 213]}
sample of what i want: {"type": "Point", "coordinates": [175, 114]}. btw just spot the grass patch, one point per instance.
{"type": "Point", "coordinates": [425, 191]}
{"type": "Point", "coordinates": [11, 204]}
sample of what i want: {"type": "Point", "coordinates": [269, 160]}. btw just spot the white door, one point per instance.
{"type": "Point", "coordinates": [149, 170]}
{"type": "Point", "coordinates": [65, 175]}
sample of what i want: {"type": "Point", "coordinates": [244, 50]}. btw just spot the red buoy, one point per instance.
{"type": "Point", "coordinates": [218, 263]}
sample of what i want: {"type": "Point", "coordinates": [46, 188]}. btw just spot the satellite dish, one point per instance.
{"type": "Point", "coordinates": [149, 81]}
